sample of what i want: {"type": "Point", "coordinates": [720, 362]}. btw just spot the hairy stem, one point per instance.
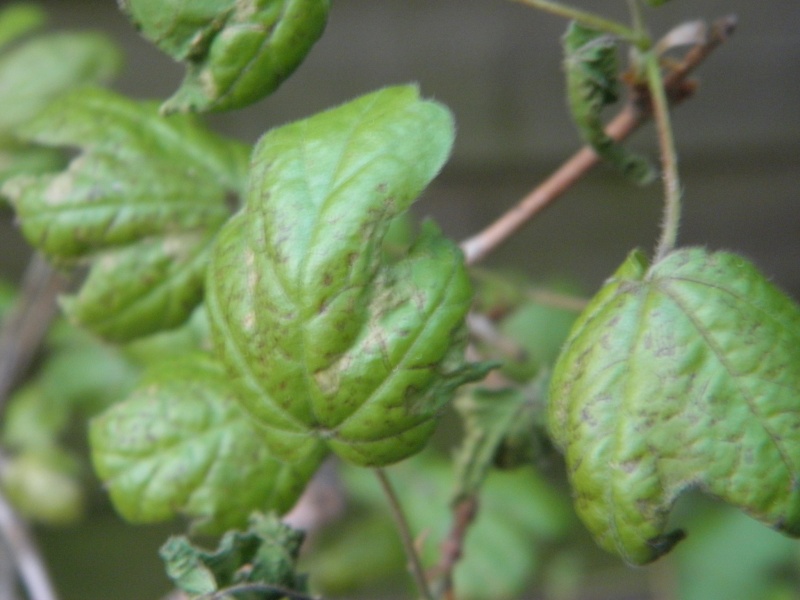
{"type": "Point", "coordinates": [669, 158]}
{"type": "Point", "coordinates": [591, 20]}
{"type": "Point", "coordinates": [404, 530]}
{"type": "Point", "coordinates": [676, 85]}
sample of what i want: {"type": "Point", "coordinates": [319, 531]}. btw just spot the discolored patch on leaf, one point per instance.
{"type": "Point", "coordinates": [236, 52]}
{"type": "Point", "coordinates": [181, 445]}
{"type": "Point", "coordinates": [141, 204]}
{"type": "Point", "coordinates": [329, 339]}
{"type": "Point", "coordinates": [680, 374]}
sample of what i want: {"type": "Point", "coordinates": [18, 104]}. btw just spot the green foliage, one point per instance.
{"type": "Point", "coordinates": [281, 309]}
{"type": "Point", "coordinates": [60, 62]}
{"type": "Point", "coordinates": [592, 71]}
{"type": "Point", "coordinates": [180, 444]}
{"type": "Point", "coordinates": [732, 557]}
{"type": "Point", "coordinates": [146, 237]}
{"type": "Point", "coordinates": [43, 484]}
{"type": "Point", "coordinates": [19, 19]}
{"type": "Point", "coordinates": [257, 564]}
{"type": "Point", "coordinates": [236, 52]}
{"type": "Point", "coordinates": [680, 374]}
{"type": "Point", "coordinates": [504, 548]}
{"type": "Point", "coordinates": [330, 343]}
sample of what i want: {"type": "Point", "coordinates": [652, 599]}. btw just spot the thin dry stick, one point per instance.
{"type": "Point", "coordinates": [22, 333]}
{"type": "Point", "coordinates": [27, 322]}
{"type": "Point", "coordinates": [26, 555]}
{"type": "Point", "coordinates": [464, 513]}
{"type": "Point", "coordinates": [478, 246]}
{"type": "Point", "coordinates": [677, 88]}
{"type": "Point", "coordinates": [403, 528]}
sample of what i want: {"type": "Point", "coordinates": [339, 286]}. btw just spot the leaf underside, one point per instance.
{"type": "Point", "coordinates": [678, 375]}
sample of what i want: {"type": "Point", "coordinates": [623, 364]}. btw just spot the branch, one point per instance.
{"type": "Point", "coordinates": [27, 322]}
{"type": "Point", "coordinates": [464, 513]}
{"type": "Point", "coordinates": [25, 554]}
{"type": "Point", "coordinates": [637, 111]}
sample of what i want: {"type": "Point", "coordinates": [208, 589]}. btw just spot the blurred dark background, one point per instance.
{"type": "Point", "coordinates": [497, 65]}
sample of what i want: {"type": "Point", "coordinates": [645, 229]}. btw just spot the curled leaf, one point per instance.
{"type": "Point", "coordinates": [262, 560]}
{"type": "Point", "coordinates": [331, 341]}
{"type": "Point", "coordinates": [680, 374]}
{"type": "Point", "coordinates": [236, 52]}
{"type": "Point", "coordinates": [591, 67]}
{"type": "Point", "coordinates": [180, 445]}
{"type": "Point", "coordinates": [141, 203]}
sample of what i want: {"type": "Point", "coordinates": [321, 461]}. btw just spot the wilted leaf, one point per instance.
{"type": "Point", "coordinates": [141, 203]}
{"type": "Point", "coordinates": [264, 554]}
{"type": "Point", "coordinates": [329, 342]}
{"type": "Point", "coordinates": [180, 444]}
{"type": "Point", "coordinates": [236, 52]}
{"type": "Point", "coordinates": [680, 374]}
{"type": "Point", "coordinates": [591, 67]}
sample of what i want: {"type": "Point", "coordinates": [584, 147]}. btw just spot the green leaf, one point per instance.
{"type": "Point", "coordinates": [501, 426]}
{"type": "Point", "coordinates": [678, 375]}
{"type": "Point", "coordinates": [35, 73]}
{"type": "Point", "coordinates": [141, 203]}
{"type": "Point", "coordinates": [19, 19]}
{"type": "Point", "coordinates": [179, 444]}
{"type": "Point", "coordinates": [541, 331]}
{"type": "Point", "coordinates": [732, 557]}
{"type": "Point", "coordinates": [17, 158]}
{"type": "Point", "coordinates": [518, 513]}
{"type": "Point", "coordinates": [329, 342]}
{"type": "Point", "coordinates": [43, 485]}
{"type": "Point", "coordinates": [236, 52]}
{"type": "Point", "coordinates": [265, 554]}
{"type": "Point", "coordinates": [591, 68]}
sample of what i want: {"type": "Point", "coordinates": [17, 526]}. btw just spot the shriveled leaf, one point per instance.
{"type": "Point", "coordinates": [36, 72]}
{"type": "Point", "coordinates": [330, 342]}
{"type": "Point", "coordinates": [591, 68]}
{"type": "Point", "coordinates": [141, 203]}
{"type": "Point", "coordinates": [236, 52]}
{"type": "Point", "coordinates": [180, 445]}
{"type": "Point", "coordinates": [265, 554]}
{"type": "Point", "coordinates": [680, 374]}
{"type": "Point", "coordinates": [18, 19]}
